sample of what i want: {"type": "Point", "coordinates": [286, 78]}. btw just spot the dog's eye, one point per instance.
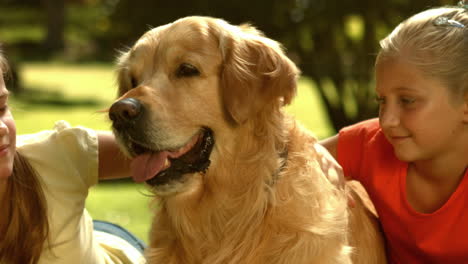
{"type": "Point", "coordinates": [187, 70]}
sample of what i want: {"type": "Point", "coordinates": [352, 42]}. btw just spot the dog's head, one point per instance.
{"type": "Point", "coordinates": [185, 86]}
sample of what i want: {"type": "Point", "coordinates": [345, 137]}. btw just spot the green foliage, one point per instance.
{"type": "Point", "coordinates": [20, 25]}
{"type": "Point", "coordinates": [309, 110]}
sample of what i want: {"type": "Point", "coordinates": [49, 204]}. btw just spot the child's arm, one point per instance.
{"type": "Point", "coordinates": [331, 145]}
{"type": "Point", "coordinates": [113, 164]}
{"type": "Point", "coordinates": [329, 165]}
{"type": "Point", "coordinates": [327, 160]}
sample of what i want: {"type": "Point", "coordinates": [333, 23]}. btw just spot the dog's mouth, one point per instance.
{"type": "Point", "coordinates": [163, 166]}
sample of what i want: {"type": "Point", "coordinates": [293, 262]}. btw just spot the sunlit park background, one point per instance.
{"type": "Point", "coordinates": [62, 54]}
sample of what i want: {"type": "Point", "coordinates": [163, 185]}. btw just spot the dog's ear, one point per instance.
{"type": "Point", "coordinates": [255, 72]}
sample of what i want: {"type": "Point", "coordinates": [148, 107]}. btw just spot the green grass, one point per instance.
{"type": "Point", "coordinates": [76, 92]}
{"type": "Point", "coordinates": [72, 92]}
{"type": "Point", "coordinates": [309, 110]}
{"type": "Point", "coordinates": [124, 203]}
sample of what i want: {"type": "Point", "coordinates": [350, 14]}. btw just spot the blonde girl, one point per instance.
{"type": "Point", "coordinates": [413, 159]}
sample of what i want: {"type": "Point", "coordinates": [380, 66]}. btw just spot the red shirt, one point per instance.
{"type": "Point", "coordinates": [412, 237]}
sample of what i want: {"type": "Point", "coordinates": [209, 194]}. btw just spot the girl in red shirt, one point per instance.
{"type": "Point", "coordinates": [413, 159]}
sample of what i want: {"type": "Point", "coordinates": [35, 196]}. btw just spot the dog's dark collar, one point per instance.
{"type": "Point", "coordinates": [284, 158]}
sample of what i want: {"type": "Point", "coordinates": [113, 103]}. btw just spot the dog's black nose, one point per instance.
{"type": "Point", "coordinates": [125, 110]}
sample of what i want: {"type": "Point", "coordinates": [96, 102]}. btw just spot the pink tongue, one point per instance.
{"type": "Point", "coordinates": [146, 166]}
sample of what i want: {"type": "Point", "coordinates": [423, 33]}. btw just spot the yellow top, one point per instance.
{"type": "Point", "coordinates": [66, 160]}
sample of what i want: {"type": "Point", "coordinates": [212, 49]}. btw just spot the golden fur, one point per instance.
{"type": "Point", "coordinates": [247, 207]}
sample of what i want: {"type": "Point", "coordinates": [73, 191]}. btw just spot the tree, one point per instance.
{"type": "Point", "coordinates": [55, 24]}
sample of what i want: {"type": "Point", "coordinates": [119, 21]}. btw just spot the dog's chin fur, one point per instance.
{"type": "Point", "coordinates": [173, 187]}
{"type": "Point", "coordinates": [264, 198]}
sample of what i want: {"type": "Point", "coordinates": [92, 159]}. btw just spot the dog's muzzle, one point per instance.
{"type": "Point", "coordinates": [154, 165]}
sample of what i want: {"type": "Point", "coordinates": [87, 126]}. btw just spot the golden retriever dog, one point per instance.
{"type": "Point", "coordinates": [237, 180]}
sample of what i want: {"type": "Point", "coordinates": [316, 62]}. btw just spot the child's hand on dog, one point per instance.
{"type": "Point", "coordinates": [332, 170]}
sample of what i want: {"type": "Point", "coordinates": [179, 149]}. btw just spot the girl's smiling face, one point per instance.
{"type": "Point", "coordinates": [7, 133]}
{"type": "Point", "coordinates": [418, 115]}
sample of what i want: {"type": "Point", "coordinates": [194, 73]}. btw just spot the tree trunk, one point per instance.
{"type": "Point", "coordinates": [55, 25]}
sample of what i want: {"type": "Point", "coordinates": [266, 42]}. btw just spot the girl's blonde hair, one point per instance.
{"type": "Point", "coordinates": [438, 50]}
{"type": "Point", "coordinates": [24, 225]}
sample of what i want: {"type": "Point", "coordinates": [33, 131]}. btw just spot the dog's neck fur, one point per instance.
{"type": "Point", "coordinates": [226, 206]}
